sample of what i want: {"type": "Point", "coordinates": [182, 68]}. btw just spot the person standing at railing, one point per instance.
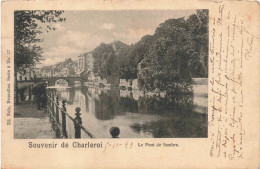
{"type": "Point", "coordinates": [40, 93]}
{"type": "Point", "coordinates": [44, 96]}
{"type": "Point", "coordinates": [36, 93]}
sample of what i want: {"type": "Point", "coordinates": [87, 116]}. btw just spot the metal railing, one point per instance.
{"type": "Point", "coordinates": [54, 109]}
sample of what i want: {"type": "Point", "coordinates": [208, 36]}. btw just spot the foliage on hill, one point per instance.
{"type": "Point", "coordinates": [169, 59]}
{"type": "Point", "coordinates": [109, 59]}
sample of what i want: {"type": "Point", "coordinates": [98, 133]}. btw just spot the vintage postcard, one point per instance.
{"type": "Point", "coordinates": [130, 84]}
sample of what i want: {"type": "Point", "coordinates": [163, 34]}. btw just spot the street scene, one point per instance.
{"type": "Point", "coordinates": [111, 74]}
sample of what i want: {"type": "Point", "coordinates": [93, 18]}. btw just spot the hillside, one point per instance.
{"type": "Point", "coordinates": [176, 53]}
{"type": "Point", "coordinates": [108, 58]}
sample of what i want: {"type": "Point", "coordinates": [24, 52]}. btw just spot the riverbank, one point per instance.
{"type": "Point", "coordinates": [30, 123]}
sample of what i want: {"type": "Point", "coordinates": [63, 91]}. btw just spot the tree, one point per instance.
{"type": "Point", "coordinates": [198, 43]}
{"type": "Point", "coordinates": [110, 60]}
{"type": "Point", "coordinates": [165, 65]}
{"type": "Point", "coordinates": [167, 60]}
{"type": "Point", "coordinates": [27, 26]}
{"type": "Point", "coordinates": [103, 60]}
{"type": "Point", "coordinates": [178, 52]}
{"type": "Point", "coordinates": [136, 53]}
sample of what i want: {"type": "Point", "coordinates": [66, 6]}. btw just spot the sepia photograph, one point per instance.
{"type": "Point", "coordinates": [130, 84]}
{"type": "Point", "coordinates": [111, 74]}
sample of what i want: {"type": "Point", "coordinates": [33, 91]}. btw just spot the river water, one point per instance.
{"type": "Point", "coordinates": [138, 115]}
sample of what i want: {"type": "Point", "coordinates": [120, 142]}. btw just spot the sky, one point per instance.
{"type": "Point", "coordinates": [84, 30]}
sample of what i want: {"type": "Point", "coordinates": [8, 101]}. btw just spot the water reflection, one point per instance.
{"type": "Point", "coordinates": [105, 106]}
{"type": "Point", "coordinates": [136, 113]}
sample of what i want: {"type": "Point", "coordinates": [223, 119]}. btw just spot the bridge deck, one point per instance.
{"type": "Point", "coordinates": [70, 80]}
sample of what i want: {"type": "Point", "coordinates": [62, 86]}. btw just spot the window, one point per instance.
{"type": "Point", "coordinates": [25, 78]}
{"type": "Point", "coordinates": [21, 78]}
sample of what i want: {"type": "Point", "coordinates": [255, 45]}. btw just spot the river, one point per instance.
{"type": "Point", "coordinates": [136, 114]}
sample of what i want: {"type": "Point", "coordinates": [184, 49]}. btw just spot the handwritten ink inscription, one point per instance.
{"type": "Point", "coordinates": [230, 46]}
